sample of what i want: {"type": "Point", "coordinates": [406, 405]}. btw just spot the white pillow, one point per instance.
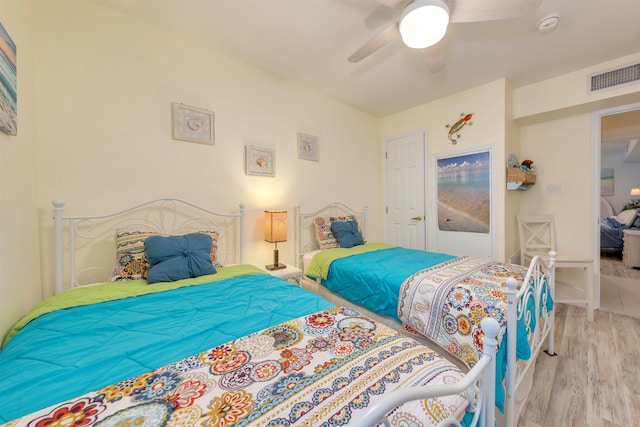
{"type": "Point", "coordinates": [626, 217]}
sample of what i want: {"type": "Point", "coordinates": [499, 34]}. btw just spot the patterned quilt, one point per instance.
{"type": "Point", "coordinates": [325, 369]}
{"type": "Point", "coordinates": [446, 304]}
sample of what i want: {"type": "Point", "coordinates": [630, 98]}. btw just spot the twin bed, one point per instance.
{"type": "Point", "coordinates": [180, 332]}
{"type": "Point", "coordinates": [438, 298]}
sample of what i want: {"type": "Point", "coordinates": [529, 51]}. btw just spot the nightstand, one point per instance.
{"type": "Point", "coordinates": [290, 274]}
{"type": "Point", "coordinates": [631, 248]}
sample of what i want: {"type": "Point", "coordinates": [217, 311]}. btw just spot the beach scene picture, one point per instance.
{"type": "Point", "coordinates": [8, 87]}
{"type": "Point", "coordinates": [464, 197]}
{"type": "Point", "coordinates": [606, 182]}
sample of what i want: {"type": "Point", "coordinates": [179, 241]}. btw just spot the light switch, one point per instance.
{"type": "Point", "coordinates": [553, 189]}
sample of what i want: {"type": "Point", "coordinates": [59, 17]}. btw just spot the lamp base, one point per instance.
{"type": "Point", "coordinates": [272, 267]}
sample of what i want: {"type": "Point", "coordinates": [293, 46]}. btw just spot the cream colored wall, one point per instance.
{"type": "Point", "coordinates": [556, 118]}
{"type": "Point", "coordinates": [105, 86]}
{"type": "Point", "coordinates": [19, 247]}
{"type": "Point", "coordinates": [487, 103]}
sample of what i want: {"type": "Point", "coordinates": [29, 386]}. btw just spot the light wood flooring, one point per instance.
{"type": "Point", "coordinates": [593, 380]}
{"type": "Point", "coordinates": [619, 287]}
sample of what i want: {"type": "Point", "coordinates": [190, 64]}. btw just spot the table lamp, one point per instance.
{"type": "Point", "coordinates": [275, 230]}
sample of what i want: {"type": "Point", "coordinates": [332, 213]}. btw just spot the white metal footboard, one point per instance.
{"type": "Point", "coordinates": [539, 324]}
{"type": "Point", "coordinates": [479, 381]}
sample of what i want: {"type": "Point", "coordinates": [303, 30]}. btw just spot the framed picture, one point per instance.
{"type": "Point", "coordinates": [260, 161]}
{"type": "Point", "coordinates": [308, 147]}
{"type": "Point", "coordinates": [192, 124]}
{"type": "Point", "coordinates": [464, 192]}
{"type": "Point", "coordinates": [8, 84]}
{"type": "Point", "coordinates": [607, 182]}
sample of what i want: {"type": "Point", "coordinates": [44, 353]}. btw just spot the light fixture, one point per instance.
{"type": "Point", "coordinates": [423, 23]}
{"type": "Point", "coordinates": [635, 191]}
{"type": "Point", "coordinates": [275, 230]}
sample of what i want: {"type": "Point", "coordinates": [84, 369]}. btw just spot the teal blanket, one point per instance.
{"type": "Point", "coordinates": [51, 357]}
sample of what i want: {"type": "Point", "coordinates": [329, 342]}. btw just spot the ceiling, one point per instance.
{"type": "Point", "coordinates": [308, 42]}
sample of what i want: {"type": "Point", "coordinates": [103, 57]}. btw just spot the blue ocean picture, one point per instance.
{"type": "Point", "coordinates": [464, 196]}
{"type": "Point", "coordinates": [8, 86]}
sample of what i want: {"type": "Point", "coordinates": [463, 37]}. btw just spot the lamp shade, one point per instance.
{"type": "Point", "coordinates": [423, 23]}
{"type": "Point", "coordinates": [275, 226]}
{"type": "Point", "coordinates": [635, 191]}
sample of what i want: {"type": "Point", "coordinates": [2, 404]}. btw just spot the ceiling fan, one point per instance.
{"type": "Point", "coordinates": [423, 23]}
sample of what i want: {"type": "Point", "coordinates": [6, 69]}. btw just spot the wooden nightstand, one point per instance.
{"type": "Point", "coordinates": [631, 248]}
{"type": "Point", "coordinates": [290, 274]}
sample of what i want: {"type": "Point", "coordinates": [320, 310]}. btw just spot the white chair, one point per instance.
{"type": "Point", "coordinates": [538, 237]}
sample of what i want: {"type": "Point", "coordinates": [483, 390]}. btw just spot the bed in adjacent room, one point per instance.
{"type": "Point", "coordinates": [180, 331]}
{"type": "Point", "coordinates": [612, 226]}
{"type": "Point", "coordinates": [437, 296]}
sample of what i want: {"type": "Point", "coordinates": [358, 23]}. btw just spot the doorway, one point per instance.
{"type": "Point", "coordinates": [612, 130]}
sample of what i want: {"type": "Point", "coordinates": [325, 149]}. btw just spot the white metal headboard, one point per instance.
{"type": "Point", "coordinates": [88, 244]}
{"type": "Point", "coordinates": [305, 225]}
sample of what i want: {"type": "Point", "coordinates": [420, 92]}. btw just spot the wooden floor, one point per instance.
{"type": "Point", "coordinates": [594, 379]}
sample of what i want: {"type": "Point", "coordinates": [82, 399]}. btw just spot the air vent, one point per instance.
{"type": "Point", "coordinates": [615, 78]}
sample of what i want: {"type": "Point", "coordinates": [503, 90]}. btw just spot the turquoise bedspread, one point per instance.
{"type": "Point", "coordinates": [377, 288]}
{"type": "Point", "coordinates": [53, 357]}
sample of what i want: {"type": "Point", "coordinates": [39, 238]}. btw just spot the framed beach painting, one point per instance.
{"type": "Point", "coordinates": [464, 192]}
{"type": "Point", "coordinates": [8, 84]}
{"type": "Point", "coordinates": [260, 161]}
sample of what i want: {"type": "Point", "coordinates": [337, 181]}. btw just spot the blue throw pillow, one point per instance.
{"type": "Point", "coordinates": [178, 257]}
{"type": "Point", "coordinates": [347, 233]}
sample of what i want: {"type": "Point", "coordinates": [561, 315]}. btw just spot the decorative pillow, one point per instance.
{"type": "Point", "coordinates": [214, 245]}
{"type": "Point", "coordinates": [347, 233]}
{"type": "Point", "coordinates": [178, 257]}
{"type": "Point", "coordinates": [324, 236]}
{"type": "Point", "coordinates": [131, 259]}
{"type": "Point", "coordinates": [624, 218]}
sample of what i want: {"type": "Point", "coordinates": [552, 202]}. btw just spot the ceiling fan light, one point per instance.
{"type": "Point", "coordinates": [424, 23]}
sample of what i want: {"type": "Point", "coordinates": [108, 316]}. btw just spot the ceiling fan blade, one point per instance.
{"type": "Point", "coordinates": [384, 37]}
{"type": "Point", "coordinates": [490, 10]}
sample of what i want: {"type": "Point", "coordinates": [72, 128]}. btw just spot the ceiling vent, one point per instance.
{"type": "Point", "coordinates": [614, 78]}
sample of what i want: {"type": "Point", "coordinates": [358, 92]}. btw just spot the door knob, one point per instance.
{"type": "Point", "coordinates": [416, 218]}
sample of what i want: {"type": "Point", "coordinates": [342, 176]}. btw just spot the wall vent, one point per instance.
{"type": "Point", "coordinates": [614, 78]}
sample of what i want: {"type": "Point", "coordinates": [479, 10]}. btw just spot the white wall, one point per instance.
{"type": "Point", "coordinates": [105, 84]}
{"type": "Point", "coordinates": [19, 248]}
{"type": "Point", "coordinates": [487, 103]}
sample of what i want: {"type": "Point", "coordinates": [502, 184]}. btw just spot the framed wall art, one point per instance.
{"type": "Point", "coordinates": [8, 85]}
{"type": "Point", "coordinates": [308, 147]}
{"type": "Point", "coordinates": [260, 161]}
{"type": "Point", "coordinates": [192, 124]}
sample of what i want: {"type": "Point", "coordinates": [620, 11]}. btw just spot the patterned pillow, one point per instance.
{"type": "Point", "coordinates": [131, 259]}
{"type": "Point", "coordinates": [214, 246]}
{"type": "Point", "coordinates": [326, 239]}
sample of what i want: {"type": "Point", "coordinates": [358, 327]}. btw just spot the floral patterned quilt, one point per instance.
{"type": "Point", "coordinates": [447, 302]}
{"type": "Point", "coordinates": [325, 369]}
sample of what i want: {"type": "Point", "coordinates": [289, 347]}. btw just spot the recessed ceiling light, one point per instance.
{"type": "Point", "coordinates": [548, 23]}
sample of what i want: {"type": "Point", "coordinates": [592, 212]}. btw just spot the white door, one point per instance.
{"type": "Point", "coordinates": [405, 207]}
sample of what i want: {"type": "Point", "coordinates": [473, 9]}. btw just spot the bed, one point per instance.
{"type": "Point", "coordinates": [134, 344]}
{"type": "Point", "coordinates": [612, 226]}
{"type": "Point", "coordinates": [437, 297]}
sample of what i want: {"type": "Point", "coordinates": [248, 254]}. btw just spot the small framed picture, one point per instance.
{"type": "Point", "coordinates": [260, 161]}
{"type": "Point", "coordinates": [192, 124]}
{"type": "Point", "coordinates": [308, 147]}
